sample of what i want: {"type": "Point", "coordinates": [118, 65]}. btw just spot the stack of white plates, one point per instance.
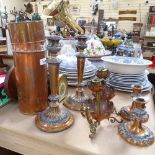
{"type": "Point", "coordinates": [89, 73]}
{"type": "Point", "coordinates": [124, 82]}
{"type": "Point", "coordinates": [69, 67]}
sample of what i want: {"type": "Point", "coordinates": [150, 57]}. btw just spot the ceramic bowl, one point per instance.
{"type": "Point", "coordinates": [125, 65]}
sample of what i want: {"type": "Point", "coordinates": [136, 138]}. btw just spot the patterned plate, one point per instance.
{"type": "Point", "coordinates": [147, 87]}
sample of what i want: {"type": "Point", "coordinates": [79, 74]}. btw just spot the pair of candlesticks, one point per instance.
{"type": "Point", "coordinates": [53, 119]}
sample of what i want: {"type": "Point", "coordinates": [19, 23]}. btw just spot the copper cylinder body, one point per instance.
{"type": "Point", "coordinates": [31, 79]}
{"type": "Point", "coordinates": [54, 78]}
{"type": "Point", "coordinates": [28, 35]}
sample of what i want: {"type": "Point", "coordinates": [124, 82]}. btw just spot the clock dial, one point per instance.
{"type": "Point", "coordinates": [63, 87]}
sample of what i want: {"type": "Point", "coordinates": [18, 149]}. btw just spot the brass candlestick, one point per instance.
{"type": "Point", "coordinates": [79, 98]}
{"type": "Point", "coordinates": [53, 119]}
{"type": "Point", "coordinates": [138, 102]}
{"type": "Point", "coordinates": [134, 132]}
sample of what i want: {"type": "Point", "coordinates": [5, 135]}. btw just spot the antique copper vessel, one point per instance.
{"type": "Point", "coordinates": [31, 81]}
{"type": "Point", "coordinates": [133, 131]}
{"type": "Point", "coordinates": [53, 119]}
{"type": "Point", "coordinates": [28, 39]}
{"type": "Point", "coordinates": [75, 101]}
{"type": "Point", "coordinates": [27, 35]}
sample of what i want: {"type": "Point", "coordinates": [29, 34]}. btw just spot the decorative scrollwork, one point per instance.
{"type": "Point", "coordinates": [114, 119]}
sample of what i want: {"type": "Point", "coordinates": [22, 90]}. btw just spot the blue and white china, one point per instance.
{"type": "Point", "coordinates": [125, 65]}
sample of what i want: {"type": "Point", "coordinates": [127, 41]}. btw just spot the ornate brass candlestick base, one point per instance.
{"type": "Point", "coordinates": [134, 132]}
{"type": "Point", "coordinates": [79, 98]}
{"type": "Point", "coordinates": [53, 119]}
{"type": "Point", "coordinates": [76, 101]}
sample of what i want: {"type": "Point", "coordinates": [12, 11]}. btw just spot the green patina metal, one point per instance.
{"type": "Point", "coordinates": [3, 98]}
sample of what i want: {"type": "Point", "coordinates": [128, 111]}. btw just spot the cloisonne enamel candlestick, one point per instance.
{"type": "Point", "coordinates": [75, 101]}
{"type": "Point", "coordinates": [54, 119]}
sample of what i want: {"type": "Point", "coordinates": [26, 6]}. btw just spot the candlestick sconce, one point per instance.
{"type": "Point", "coordinates": [81, 44]}
{"type": "Point", "coordinates": [133, 131]}
{"type": "Point", "coordinates": [53, 46]}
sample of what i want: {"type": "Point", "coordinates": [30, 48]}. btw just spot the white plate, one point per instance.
{"type": "Point", "coordinates": [75, 73]}
{"type": "Point", "coordinates": [128, 79]}
{"type": "Point", "coordinates": [84, 77]}
{"type": "Point", "coordinates": [74, 83]}
{"type": "Point", "coordinates": [127, 85]}
{"type": "Point", "coordinates": [74, 70]}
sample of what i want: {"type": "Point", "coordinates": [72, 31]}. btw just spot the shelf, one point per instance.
{"type": "Point", "coordinates": [6, 56]}
{"type": "Point", "coordinates": [151, 13]}
{"type": "Point", "coordinates": [149, 36]}
{"type": "Point", "coordinates": [149, 47]}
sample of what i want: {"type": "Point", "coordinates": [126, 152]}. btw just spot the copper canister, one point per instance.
{"type": "Point", "coordinates": [31, 80]}
{"type": "Point", "coordinates": [27, 35]}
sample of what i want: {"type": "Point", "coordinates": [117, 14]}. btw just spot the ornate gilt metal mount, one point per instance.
{"type": "Point", "coordinates": [85, 112]}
